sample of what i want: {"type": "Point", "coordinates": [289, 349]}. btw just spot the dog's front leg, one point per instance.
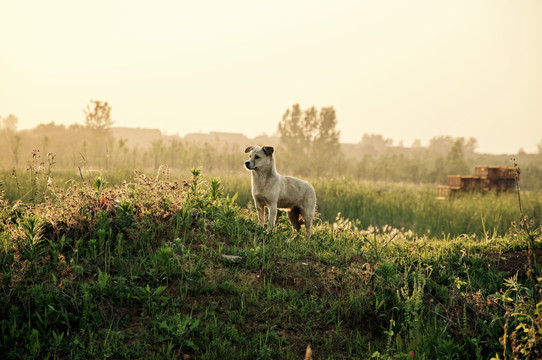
{"type": "Point", "coordinates": [261, 215]}
{"type": "Point", "coordinates": [272, 217]}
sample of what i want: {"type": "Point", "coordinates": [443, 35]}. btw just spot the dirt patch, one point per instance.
{"type": "Point", "coordinates": [252, 278]}
{"type": "Point", "coordinates": [514, 262]}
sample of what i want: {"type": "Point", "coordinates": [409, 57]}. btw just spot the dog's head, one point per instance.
{"type": "Point", "coordinates": [259, 157]}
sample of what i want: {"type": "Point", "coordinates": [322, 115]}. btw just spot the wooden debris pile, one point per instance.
{"type": "Point", "coordinates": [485, 178]}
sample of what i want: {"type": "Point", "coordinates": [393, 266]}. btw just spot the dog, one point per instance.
{"type": "Point", "coordinates": [275, 191]}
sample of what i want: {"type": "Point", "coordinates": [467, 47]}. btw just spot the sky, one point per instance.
{"type": "Point", "coordinates": [405, 69]}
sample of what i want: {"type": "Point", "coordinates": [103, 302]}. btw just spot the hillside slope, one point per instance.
{"type": "Point", "coordinates": [162, 269]}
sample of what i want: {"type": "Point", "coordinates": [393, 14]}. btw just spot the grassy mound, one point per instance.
{"type": "Point", "coordinates": [162, 269]}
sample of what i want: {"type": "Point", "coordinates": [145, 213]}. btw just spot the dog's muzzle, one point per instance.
{"type": "Point", "coordinates": [247, 165]}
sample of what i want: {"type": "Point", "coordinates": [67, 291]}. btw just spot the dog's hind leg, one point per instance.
{"type": "Point", "coordinates": [293, 215]}
{"type": "Point", "coordinates": [307, 216]}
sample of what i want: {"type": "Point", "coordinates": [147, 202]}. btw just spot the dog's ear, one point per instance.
{"type": "Point", "coordinates": [268, 150]}
{"type": "Point", "coordinates": [249, 149]}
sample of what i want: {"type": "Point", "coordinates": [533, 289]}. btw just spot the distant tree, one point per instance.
{"type": "Point", "coordinates": [455, 160]}
{"type": "Point", "coordinates": [122, 144]}
{"type": "Point", "coordinates": [15, 148]}
{"type": "Point", "coordinates": [10, 122]}
{"type": "Point", "coordinates": [439, 173]}
{"type": "Point", "coordinates": [122, 152]}
{"type": "Point", "coordinates": [174, 153]}
{"type": "Point", "coordinates": [98, 121]}
{"type": "Point", "coordinates": [374, 144]}
{"type": "Point", "coordinates": [309, 139]}
{"type": "Point", "coordinates": [297, 130]}
{"type": "Point", "coordinates": [135, 157]}
{"type": "Point", "coordinates": [98, 116]}
{"type": "Point", "coordinates": [441, 145]}
{"type": "Point", "coordinates": [50, 128]}
{"type": "Point", "coordinates": [326, 148]}
{"type": "Point", "coordinates": [414, 169]}
{"type": "Point", "coordinates": [158, 152]}
{"type": "Point", "coordinates": [539, 147]}
{"type": "Point", "coordinates": [327, 135]}
{"type": "Point", "coordinates": [45, 144]}
{"type": "Point", "coordinates": [84, 148]}
{"type": "Point", "coordinates": [471, 145]}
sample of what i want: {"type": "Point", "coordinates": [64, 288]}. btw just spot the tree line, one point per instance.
{"type": "Point", "coordinates": [308, 146]}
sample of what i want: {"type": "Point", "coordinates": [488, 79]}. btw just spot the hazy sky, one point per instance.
{"type": "Point", "coordinates": [404, 69]}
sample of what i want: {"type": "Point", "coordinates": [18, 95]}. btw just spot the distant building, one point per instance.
{"type": "Point", "coordinates": [265, 139]}
{"type": "Point", "coordinates": [233, 141]}
{"type": "Point", "coordinates": [137, 136]}
{"type": "Point", "coordinates": [217, 139]}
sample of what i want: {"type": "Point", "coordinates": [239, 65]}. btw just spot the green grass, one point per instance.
{"type": "Point", "coordinates": [404, 206]}
{"type": "Point", "coordinates": [409, 207]}
{"type": "Point", "coordinates": [136, 270]}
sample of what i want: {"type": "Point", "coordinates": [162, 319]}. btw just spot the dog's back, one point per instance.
{"type": "Point", "coordinates": [296, 192]}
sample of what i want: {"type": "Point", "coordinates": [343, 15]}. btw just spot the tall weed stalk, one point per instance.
{"type": "Point", "coordinates": [531, 237]}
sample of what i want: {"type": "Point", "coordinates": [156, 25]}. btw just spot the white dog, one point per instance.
{"type": "Point", "coordinates": [275, 191]}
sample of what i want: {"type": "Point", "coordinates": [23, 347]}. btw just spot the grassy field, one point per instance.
{"type": "Point", "coordinates": [143, 269]}
{"type": "Point", "coordinates": [409, 207]}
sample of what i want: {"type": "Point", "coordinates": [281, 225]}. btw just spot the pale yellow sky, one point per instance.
{"type": "Point", "coordinates": [404, 69]}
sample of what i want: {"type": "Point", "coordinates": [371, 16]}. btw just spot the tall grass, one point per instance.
{"type": "Point", "coordinates": [410, 207]}
{"type": "Point", "coordinates": [368, 204]}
